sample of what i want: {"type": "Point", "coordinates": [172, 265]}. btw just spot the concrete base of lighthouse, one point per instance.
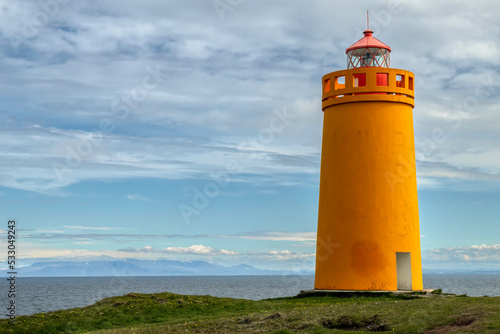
{"type": "Point", "coordinates": [364, 293]}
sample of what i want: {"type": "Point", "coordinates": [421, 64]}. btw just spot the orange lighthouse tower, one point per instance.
{"type": "Point", "coordinates": [368, 225]}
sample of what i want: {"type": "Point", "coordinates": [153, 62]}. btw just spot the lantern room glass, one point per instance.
{"type": "Point", "coordinates": [368, 57]}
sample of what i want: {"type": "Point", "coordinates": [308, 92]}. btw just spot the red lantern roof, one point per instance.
{"type": "Point", "coordinates": [368, 42]}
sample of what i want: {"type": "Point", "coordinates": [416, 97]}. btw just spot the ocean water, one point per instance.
{"type": "Point", "coordinates": [44, 294]}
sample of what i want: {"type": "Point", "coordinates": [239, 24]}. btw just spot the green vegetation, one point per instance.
{"type": "Point", "coordinates": [172, 313]}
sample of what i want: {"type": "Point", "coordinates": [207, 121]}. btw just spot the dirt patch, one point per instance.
{"type": "Point", "coordinates": [347, 322]}
{"type": "Point", "coordinates": [245, 321]}
{"type": "Point", "coordinates": [460, 322]}
{"type": "Point", "coordinates": [464, 321]}
{"type": "Point", "coordinates": [273, 316]}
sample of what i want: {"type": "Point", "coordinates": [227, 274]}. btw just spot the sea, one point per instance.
{"type": "Point", "coordinates": [45, 294]}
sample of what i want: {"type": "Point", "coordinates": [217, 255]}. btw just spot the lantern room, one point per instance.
{"type": "Point", "coordinates": [368, 52]}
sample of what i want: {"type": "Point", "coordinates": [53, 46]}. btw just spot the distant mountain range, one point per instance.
{"type": "Point", "coordinates": [109, 266]}
{"type": "Point", "coordinates": [134, 267]}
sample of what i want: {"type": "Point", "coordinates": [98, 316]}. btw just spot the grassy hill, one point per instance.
{"type": "Point", "coordinates": [172, 313]}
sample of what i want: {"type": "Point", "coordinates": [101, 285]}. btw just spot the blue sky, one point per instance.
{"type": "Point", "coordinates": [192, 130]}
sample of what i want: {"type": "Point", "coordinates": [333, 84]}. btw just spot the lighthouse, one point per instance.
{"type": "Point", "coordinates": [368, 224]}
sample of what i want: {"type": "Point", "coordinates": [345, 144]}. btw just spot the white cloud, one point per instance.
{"type": "Point", "coordinates": [302, 238]}
{"type": "Point", "coordinates": [192, 250]}
{"type": "Point", "coordinates": [35, 251]}
{"type": "Point", "coordinates": [137, 197]}
{"type": "Point", "coordinates": [433, 175]}
{"type": "Point", "coordinates": [281, 255]}
{"type": "Point", "coordinates": [195, 249]}
{"type": "Point", "coordinates": [276, 255]}
{"type": "Point", "coordinates": [83, 228]}
{"type": "Point", "coordinates": [239, 71]}
{"type": "Point", "coordinates": [471, 256]}
{"type": "Point", "coordinates": [277, 236]}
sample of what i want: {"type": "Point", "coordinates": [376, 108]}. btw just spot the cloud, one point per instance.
{"type": "Point", "coordinates": [239, 69]}
{"type": "Point", "coordinates": [192, 250]}
{"type": "Point", "coordinates": [84, 228]}
{"type": "Point", "coordinates": [274, 236]}
{"type": "Point", "coordinates": [433, 175]}
{"type": "Point", "coordinates": [281, 255]}
{"type": "Point", "coordinates": [205, 250]}
{"type": "Point", "coordinates": [470, 256]}
{"type": "Point", "coordinates": [137, 197]}
{"type": "Point", "coordinates": [50, 236]}
{"type": "Point", "coordinates": [34, 252]}
{"type": "Point", "coordinates": [276, 258]}
{"type": "Point", "coordinates": [303, 237]}
{"type": "Point", "coordinates": [272, 253]}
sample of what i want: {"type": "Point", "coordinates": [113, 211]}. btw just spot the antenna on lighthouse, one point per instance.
{"type": "Point", "coordinates": [367, 21]}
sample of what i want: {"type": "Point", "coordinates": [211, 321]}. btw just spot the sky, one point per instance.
{"type": "Point", "coordinates": [191, 130]}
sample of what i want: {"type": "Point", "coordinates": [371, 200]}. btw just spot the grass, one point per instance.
{"type": "Point", "coordinates": [173, 313]}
